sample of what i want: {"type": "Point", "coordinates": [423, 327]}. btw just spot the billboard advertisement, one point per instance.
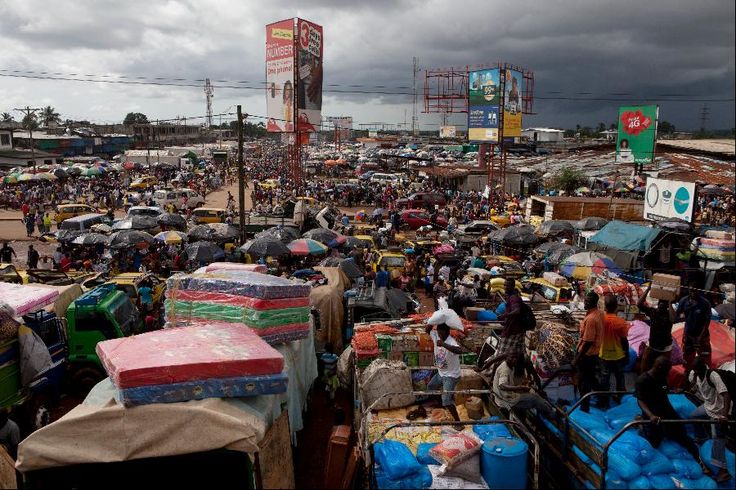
{"type": "Point", "coordinates": [280, 76]}
{"type": "Point", "coordinates": [448, 131]}
{"type": "Point", "coordinates": [344, 124]}
{"type": "Point", "coordinates": [637, 132]}
{"type": "Point", "coordinates": [309, 75]}
{"type": "Point", "coordinates": [512, 103]}
{"type": "Point", "coordinates": [483, 102]}
{"type": "Point", "coordinates": [666, 199]}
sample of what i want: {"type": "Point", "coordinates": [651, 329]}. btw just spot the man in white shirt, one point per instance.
{"type": "Point", "coordinates": [447, 359]}
{"type": "Point", "coordinates": [512, 386]}
{"type": "Point", "coordinates": [716, 405]}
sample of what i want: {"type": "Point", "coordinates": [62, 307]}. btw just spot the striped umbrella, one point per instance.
{"type": "Point", "coordinates": [583, 264]}
{"type": "Point", "coordinates": [307, 246]}
{"type": "Point", "coordinates": [171, 237]}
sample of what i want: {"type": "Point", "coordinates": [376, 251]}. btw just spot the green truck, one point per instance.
{"type": "Point", "coordinates": [101, 314]}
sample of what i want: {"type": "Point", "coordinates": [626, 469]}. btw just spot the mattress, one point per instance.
{"type": "Point", "coordinates": [234, 266]}
{"type": "Point", "coordinates": [236, 314]}
{"type": "Point", "coordinates": [251, 284]}
{"type": "Point", "coordinates": [235, 300]}
{"type": "Point", "coordinates": [235, 387]}
{"type": "Point", "coordinates": [271, 335]}
{"type": "Point", "coordinates": [24, 299]}
{"type": "Point", "coordinates": [199, 352]}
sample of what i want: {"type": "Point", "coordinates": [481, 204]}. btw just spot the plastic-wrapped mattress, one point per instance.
{"type": "Point", "coordinates": [236, 387]}
{"type": "Point", "coordinates": [24, 299]}
{"type": "Point", "coordinates": [199, 352]}
{"type": "Point", "coordinates": [251, 284]}
{"type": "Point", "coordinates": [272, 335]}
{"type": "Point", "coordinates": [236, 314]}
{"type": "Point", "coordinates": [233, 299]}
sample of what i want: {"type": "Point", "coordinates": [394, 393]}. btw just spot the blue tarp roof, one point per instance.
{"type": "Point", "coordinates": [626, 236]}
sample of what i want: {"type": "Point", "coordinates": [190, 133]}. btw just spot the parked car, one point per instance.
{"type": "Point", "coordinates": [177, 197]}
{"type": "Point", "coordinates": [416, 218]}
{"type": "Point", "coordinates": [66, 211]}
{"type": "Point", "coordinates": [152, 211]}
{"type": "Point", "coordinates": [422, 200]}
{"type": "Point", "coordinates": [144, 182]}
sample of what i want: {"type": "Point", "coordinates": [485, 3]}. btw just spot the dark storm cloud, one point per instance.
{"type": "Point", "coordinates": [646, 49]}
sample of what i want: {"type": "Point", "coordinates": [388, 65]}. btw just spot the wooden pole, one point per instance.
{"type": "Point", "coordinates": [241, 177]}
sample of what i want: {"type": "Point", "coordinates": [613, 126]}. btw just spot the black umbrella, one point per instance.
{"type": "Point", "coordinates": [284, 234]}
{"type": "Point", "coordinates": [518, 235]}
{"type": "Point", "coordinates": [348, 266]}
{"type": "Point", "coordinates": [591, 223]}
{"type": "Point", "coordinates": [136, 222]}
{"type": "Point", "coordinates": [73, 171]}
{"type": "Point", "coordinates": [201, 233]}
{"type": "Point", "coordinates": [67, 235]}
{"type": "Point", "coordinates": [204, 252]}
{"type": "Point", "coordinates": [224, 232]}
{"type": "Point", "coordinates": [130, 238]}
{"type": "Point", "coordinates": [322, 235]}
{"type": "Point", "coordinates": [558, 254]}
{"type": "Point", "coordinates": [352, 243]}
{"type": "Point", "coordinates": [547, 247]}
{"type": "Point", "coordinates": [265, 247]}
{"type": "Point", "coordinates": [556, 227]}
{"type": "Point", "coordinates": [91, 239]}
{"type": "Point", "coordinates": [60, 173]}
{"type": "Point", "coordinates": [172, 220]}
{"type": "Point", "coordinates": [713, 190]}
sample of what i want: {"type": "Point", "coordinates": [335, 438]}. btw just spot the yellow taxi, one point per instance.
{"type": "Point", "coordinates": [550, 292]}
{"type": "Point", "coordinates": [367, 241]}
{"type": "Point", "coordinates": [394, 261]}
{"type": "Point", "coordinates": [208, 215]}
{"type": "Point", "coordinates": [66, 211]}
{"type": "Point", "coordinates": [269, 184]}
{"type": "Point", "coordinates": [309, 201]}
{"type": "Point", "coordinates": [131, 282]}
{"type": "Point", "coordinates": [144, 182]}
{"type": "Point", "coordinates": [501, 220]}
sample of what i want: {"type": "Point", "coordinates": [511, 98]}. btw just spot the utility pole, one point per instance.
{"type": "Point", "coordinates": [703, 118]}
{"type": "Point", "coordinates": [28, 111]}
{"type": "Point", "coordinates": [241, 177]}
{"type": "Point", "coordinates": [414, 107]}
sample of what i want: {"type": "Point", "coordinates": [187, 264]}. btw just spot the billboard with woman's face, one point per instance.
{"type": "Point", "coordinates": [637, 132]}
{"type": "Point", "coordinates": [280, 76]}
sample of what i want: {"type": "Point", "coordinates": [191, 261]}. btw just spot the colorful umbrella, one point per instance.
{"type": "Point", "coordinates": [171, 237]}
{"type": "Point", "coordinates": [46, 176]}
{"type": "Point", "coordinates": [583, 189]}
{"type": "Point", "coordinates": [92, 171]}
{"type": "Point", "coordinates": [360, 215]}
{"type": "Point", "coordinates": [307, 246]}
{"type": "Point", "coordinates": [27, 177]}
{"type": "Point", "coordinates": [622, 189]}
{"type": "Point", "coordinates": [583, 264]}
{"type": "Point", "coordinates": [10, 179]}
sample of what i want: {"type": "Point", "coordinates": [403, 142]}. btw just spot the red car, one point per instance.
{"type": "Point", "coordinates": [416, 218]}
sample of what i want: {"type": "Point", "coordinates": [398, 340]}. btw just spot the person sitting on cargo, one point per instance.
{"type": "Point", "coordinates": [651, 393]}
{"type": "Point", "coordinates": [9, 434]}
{"type": "Point", "coordinates": [447, 359]}
{"type": "Point", "coordinates": [660, 330]}
{"type": "Point", "coordinates": [514, 386]}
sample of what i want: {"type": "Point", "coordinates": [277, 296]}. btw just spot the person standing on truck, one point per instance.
{"type": "Point", "coordinates": [660, 330]}
{"type": "Point", "coordinates": [696, 310]}
{"type": "Point", "coordinates": [447, 359]}
{"type": "Point", "coordinates": [587, 360]}
{"type": "Point", "coordinates": [512, 335]}
{"type": "Point", "coordinates": [651, 393]}
{"type": "Point", "coordinates": [614, 352]}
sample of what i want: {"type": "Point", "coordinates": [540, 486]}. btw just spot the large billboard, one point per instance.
{"type": "Point", "coordinates": [280, 76]}
{"type": "Point", "coordinates": [448, 131]}
{"type": "Point", "coordinates": [309, 75]}
{"type": "Point", "coordinates": [666, 199]}
{"type": "Point", "coordinates": [483, 103]}
{"type": "Point", "coordinates": [512, 103]}
{"type": "Point", "coordinates": [637, 132]}
{"type": "Point", "coordinates": [344, 124]}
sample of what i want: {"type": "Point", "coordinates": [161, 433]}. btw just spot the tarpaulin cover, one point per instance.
{"type": "Point", "coordinates": [235, 314]}
{"type": "Point", "coordinates": [216, 350]}
{"type": "Point", "coordinates": [235, 387]}
{"type": "Point", "coordinates": [232, 299]}
{"type": "Point", "coordinates": [24, 299]}
{"type": "Point", "coordinates": [626, 236]}
{"type": "Point", "coordinates": [250, 284]}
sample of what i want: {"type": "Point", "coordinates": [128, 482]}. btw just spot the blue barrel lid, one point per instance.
{"type": "Point", "coordinates": [505, 446]}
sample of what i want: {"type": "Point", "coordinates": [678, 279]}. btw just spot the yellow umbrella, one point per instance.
{"type": "Point", "coordinates": [171, 237]}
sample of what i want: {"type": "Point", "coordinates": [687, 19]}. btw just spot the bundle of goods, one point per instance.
{"type": "Point", "coordinates": [554, 344]}
{"type": "Point", "coordinates": [619, 287]}
{"type": "Point", "coordinates": [475, 338]}
{"type": "Point", "coordinates": [383, 377]}
{"type": "Point", "coordinates": [716, 249]}
{"type": "Point", "coordinates": [666, 287]}
{"type": "Point", "coordinates": [414, 437]}
{"type": "Point", "coordinates": [277, 309]}
{"type": "Point", "coordinates": [365, 347]}
{"type": "Point", "coordinates": [23, 299]}
{"type": "Point", "coordinates": [218, 359]}
{"type": "Point", "coordinates": [723, 349]}
{"type": "Point", "coordinates": [639, 336]}
{"type": "Point", "coordinates": [633, 462]}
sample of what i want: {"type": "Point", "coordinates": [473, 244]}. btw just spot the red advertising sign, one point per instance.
{"type": "Point", "coordinates": [280, 76]}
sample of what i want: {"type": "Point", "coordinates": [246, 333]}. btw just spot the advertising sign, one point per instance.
{"type": "Point", "coordinates": [666, 199]}
{"type": "Point", "coordinates": [637, 132]}
{"type": "Point", "coordinates": [309, 75]}
{"type": "Point", "coordinates": [280, 76]}
{"type": "Point", "coordinates": [448, 131]}
{"type": "Point", "coordinates": [344, 124]}
{"type": "Point", "coordinates": [483, 102]}
{"type": "Point", "coordinates": [512, 104]}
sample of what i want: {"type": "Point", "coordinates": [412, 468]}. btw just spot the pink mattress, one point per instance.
{"type": "Point", "coordinates": [200, 352]}
{"type": "Point", "coordinates": [24, 299]}
{"type": "Point", "coordinates": [234, 266]}
{"type": "Point", "coordinates": [236, 300]}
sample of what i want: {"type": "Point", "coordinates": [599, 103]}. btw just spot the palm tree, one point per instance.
{"type": "Point", "coordinates": [30, 122]}
{"type": "Point", "coordinates": [49, 116]}
{"type": "Point", "coordinates": [7, 117]}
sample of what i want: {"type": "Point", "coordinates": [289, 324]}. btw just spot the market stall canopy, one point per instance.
{"type": "Point", "coordinates": [348, 266]}
{"type": "Point", "coordinates": [285, 234]}
{"type": "Point", "coordinates": [321, 235]}
{"type": "Point", "coordinates": [172, 219]}
{"type": "Point", "coordinates": [160, 429]}
{"type": "Point", "coordinates": [201, 233]}
{"type": "Point", "coordinates": [546, 247]}
{"type": "Point", "coordinates": [265, 247]}
{"type": "Point", "coordinates": [91, 239]}
{"type": "Point", "coordinates": [204, 252]}
{"type": "Point", "coordinates": [590, 223]}
{"type": "Point", "coordinates": [519, 235]}
{"type": "Point", "coordinates": [559, 254]}
{"type": "Point", "coordinates": [626, 236]}
{"type": "Point", "coordinates": [171, 237]}
{"type": "Point", "coordinates": [555, 227]}
{"type": "Point", "coordinates": [130, 238]}
{"type": "Point", "coordinates": [135, 222]}
{"type": "Point", "coordinates": [223, 232]}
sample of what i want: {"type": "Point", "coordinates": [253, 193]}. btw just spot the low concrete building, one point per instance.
{"type": "Point", "coordinates": [542, 135]}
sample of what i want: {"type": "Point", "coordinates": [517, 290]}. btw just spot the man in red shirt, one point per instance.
{"type": "Point", "coordinates": [615, 347]}
{"type": "Point", "coordinates": [587, 361]}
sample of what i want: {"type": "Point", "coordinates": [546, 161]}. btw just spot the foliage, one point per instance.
{"type": "Point", "coordinates": [666, 127]}
{"type": "Point", "coordinates": [135, 118]}
{"type": "Point", "coordinates": [7, 117]}
{"type": "Point", "coordinates": [568, 180]}
{"type": "Point", "coordinates": [49, 116]}
{"type": "Point", "coordinates": [30, 122]}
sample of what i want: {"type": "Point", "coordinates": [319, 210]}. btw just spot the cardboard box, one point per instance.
{"type": "Point", "coordinates": [396, 356]}
{"type": "Point", "coordinates": [426, 359]}
{"type": "Point", "coordinates": [555, 279]}
{"type": "Point", "coordinates": [666, 287]}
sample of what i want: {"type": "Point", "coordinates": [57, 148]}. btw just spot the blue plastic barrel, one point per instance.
{"type": "Point", "coordinates": [503, 462]}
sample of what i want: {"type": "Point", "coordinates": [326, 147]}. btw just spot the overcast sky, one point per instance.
{"type": "Point", "coordinates": [645, 48]}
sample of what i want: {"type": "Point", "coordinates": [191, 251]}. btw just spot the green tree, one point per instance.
{"type": "Point", "coordinates": [49, 116]}
{"type": "Point", "coordinates": [7, 117]}
{"type": "Point", "coordinates": [135, 118]}
{"type": "Point", "coordinates": [666, 127]}
{"type": "Point", "coordinates": [568, 180]}
{"type": "Point", "coordinates": [30, 122]}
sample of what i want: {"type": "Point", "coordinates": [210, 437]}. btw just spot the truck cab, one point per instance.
{"type": "Point", "coordinates": [101, 314]}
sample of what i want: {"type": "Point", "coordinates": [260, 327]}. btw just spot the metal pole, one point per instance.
{"type": "Point", "coordinates": [241, 176]}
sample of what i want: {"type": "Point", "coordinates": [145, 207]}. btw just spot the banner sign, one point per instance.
{"type": "Point", "coordinates": [512, 104]}
{"type": "Point", "coordinates": [280, 76]}
{"type": "Point", "coordinates": [448, 131]}
{"type": "Point", "coordinates": [309, 71]}
{"type": "Point", "coordinates": [667, 199]}
{"type": "Point", "coordinates": [483, 101]}
{"type": "Point", "coordinates": [637, 133]}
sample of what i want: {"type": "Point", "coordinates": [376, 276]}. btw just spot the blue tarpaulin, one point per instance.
{"type": "Point", "coordinates": [626, 236]}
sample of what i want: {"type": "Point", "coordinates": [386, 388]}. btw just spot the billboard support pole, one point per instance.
{"type": "Point", "coordinates": [241, 178]}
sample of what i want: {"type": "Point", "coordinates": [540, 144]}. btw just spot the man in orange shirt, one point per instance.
{"type": "Point", "coordinates": [615, 347]}
{"type": "Point", "coordinates": [587, 362]}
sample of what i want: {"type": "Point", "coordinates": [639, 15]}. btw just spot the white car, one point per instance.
{"type": "Point", "coordinates": [177, 197]}
{"type": "Point", "coordinates": [152, 211]}
{"type": "Point", "coordinates": [382, 178]}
